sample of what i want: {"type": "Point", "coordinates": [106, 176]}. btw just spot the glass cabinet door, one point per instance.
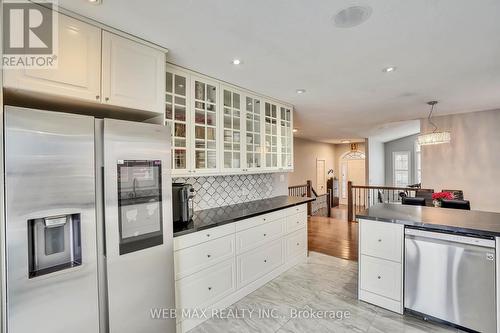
{"type": "Point", "coordinates": [286, 138]}
{"type": "Point", "coordinates": [253, 133]}
{"type": "Point", "coordinates": [176, 117]}
{"type": "Point", "coordinates": [232, 130]}
{"type": "Point", "coordinates": [271, 134]}
{"type": "Point", "coordinates": [205, 125]}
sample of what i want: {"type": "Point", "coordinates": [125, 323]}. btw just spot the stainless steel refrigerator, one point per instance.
{"type": "Point", "coordinates": [88, 224]}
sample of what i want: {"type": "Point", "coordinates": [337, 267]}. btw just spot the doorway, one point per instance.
{"type": "Point", "coordinates": [352, 168]}
{"type": "Point", "coordinates": [320, 176]}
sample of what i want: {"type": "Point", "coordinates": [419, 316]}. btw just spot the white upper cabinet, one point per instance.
{"type": "Point", "coordinates": [253, 134]}
{"type": "Point", "coordinates": [271, 135]}
{"type": "Point", "coordinates": [221, 129]}
{"type": "Point", "coordinates": [133, 75]}
{"type": "Point", "coordinates": [78, 74]}
{"type": "Point", "coordinates": [177, 116]}
{"type": "Point", "coordinates": [232, 124]}
{"type": "Point", "coordinates": [205, 125]}
{"type": "Point", "coordinates": [285, 138]}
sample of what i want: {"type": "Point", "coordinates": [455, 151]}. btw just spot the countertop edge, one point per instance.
{"type": "Point", "coordinates": [243, 217]}
{"type": "Point", "coordinates": [431, 226]}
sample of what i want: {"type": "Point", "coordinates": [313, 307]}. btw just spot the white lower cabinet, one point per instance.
{"type": "Point", "coordinates": [381, 264]}
{"type": "Point", "coordinates": [206, 287]}
{"type": "Point", "coordinates": [254, 237]}
{"type": "Point", "coordinates": [195, 258]}
{"type": "Point", "coordinates": [254, 264]}
{"type": "Point", "coordinates": [296, 244]}
{"type": "Point", "coordinates": [216, 267]}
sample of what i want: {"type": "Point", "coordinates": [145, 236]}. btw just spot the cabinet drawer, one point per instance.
{"type": "Point", "coordinates": [381, 277]}
{"type": "Point", "coordinates": [296, 209]}
{"type": "Point", "coordinates": [195, 238]}
{"type": "Point", "coordinates": [381, 239]}
{"type": "Point", "coordinates": [296, 221]}
{"type": "Point", "coordinates": [206, 287]}
{"type": "Point", "coordinates": [296, 244]}
{"type": "Point", "coordinates": [258, 220]}
{"type": "Point", "coordinates": [195, 258]}
{"type": "Point", "coordinates": [254, 264]}
{"type": "Point", "coordinates": [253, 237]}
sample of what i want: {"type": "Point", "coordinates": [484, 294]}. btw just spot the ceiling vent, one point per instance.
{"type": "Point", "coordinates": [352, 16]}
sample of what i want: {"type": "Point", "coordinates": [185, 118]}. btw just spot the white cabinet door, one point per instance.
{"type": "Point", "coordinates": [271, 135]}
{"type": "Point", "coordinates": [232, 135]}
{"type": "Point", "coordinates": [205, 125]}
{"type": "Point", "coordinates": [253, 134]}
{"type": "Point", "coordinates": [78, 74]}
{"type": "Point", "coordinates": [285, 138]}
{"type": "Point", "coordinates": [257, 263]}
{"type": "Point", "coordinates": [177, 115]}
{"type": "Point", "coordinates": [381, 277]}
{"type": "Point", "coordinates": [133, 75]}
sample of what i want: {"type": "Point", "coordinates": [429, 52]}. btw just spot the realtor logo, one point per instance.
{"type": "Point", "coordinates": [29, 34]}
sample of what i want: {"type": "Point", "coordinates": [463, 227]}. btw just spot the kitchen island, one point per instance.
{"type": "Point", "coordinates": [437, 263]}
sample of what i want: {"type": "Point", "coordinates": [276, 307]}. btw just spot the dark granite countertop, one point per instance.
{"type": "Point", "coordinates": [209, 218]}
{"type": "Point", "coordinates": [439, 219]}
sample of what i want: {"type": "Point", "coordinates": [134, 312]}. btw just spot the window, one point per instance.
{"type": "Point", "coordinates": [418, 163]}
{"type": "Point", "coordinates": [401, 168]}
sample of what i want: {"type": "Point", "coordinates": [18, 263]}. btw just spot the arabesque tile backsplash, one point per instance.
{"type": "Point", "coordinates": [216, 191]}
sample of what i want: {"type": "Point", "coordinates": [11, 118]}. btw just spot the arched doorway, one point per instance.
{"type": "Point", "coordinates": [352, 168]}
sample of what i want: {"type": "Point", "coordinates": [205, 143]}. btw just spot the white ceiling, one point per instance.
{"type": "Point", "coordinates": [447, 50]}
{"type": "Point", "coordinates": [392, 131]}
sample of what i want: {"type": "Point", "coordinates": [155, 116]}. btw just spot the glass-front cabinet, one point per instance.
{"type": "Point", "coordinates": [232, 114]}
{"type": "Point", "coordinates": [177, 117]}
{"type": "Point", "coordinates": [271, 135]}
{"type": "Point", "coordinates": [286, 138]}
{"type": "Point", "coordinates": [204, 125]}
{"type": "Point", "coordinates": [221, 129]}
{"type": "Point", "coordinates": [253, 134]}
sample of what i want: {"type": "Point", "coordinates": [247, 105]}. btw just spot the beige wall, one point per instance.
{"type": "Point", "coordinates": [305, 154]}
{"type": "Point", "coordinates": [471, 162]}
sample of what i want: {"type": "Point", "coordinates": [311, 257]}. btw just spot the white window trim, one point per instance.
{"type": "Point", "coordinates": [406, 152]}
{"type": "Point", "coordinates": [418, 167]}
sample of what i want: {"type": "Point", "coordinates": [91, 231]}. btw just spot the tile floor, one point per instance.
{"type": "Point", "coordinates": [323, 283]}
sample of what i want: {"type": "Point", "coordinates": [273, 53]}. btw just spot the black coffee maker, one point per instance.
{"type": "Point", "coordinates": [182, 200]}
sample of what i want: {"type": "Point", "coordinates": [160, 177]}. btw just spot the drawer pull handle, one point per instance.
{"type": "Point", "coordinates": [208, 255]}
{"type": "Point", "coordinates": [379, 240]}
{"type": "Point", "coordinates": [379, 277]}
{"type": "Point", "coordinates": [265, 235]}
{"type": "Point", "coordinates": [209, 288]}
{"type": "Point", "coordinates": [265, 260]}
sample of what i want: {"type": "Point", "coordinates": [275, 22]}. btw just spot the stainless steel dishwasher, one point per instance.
{"type": "Point", "coordinates": [451, 277]}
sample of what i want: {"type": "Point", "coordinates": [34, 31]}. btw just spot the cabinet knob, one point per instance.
{"type": "Point", "coordinates": [208, 235]}
{"type": "Point", "coordinates": [379, 277]}
{"type": "Point", "coordinates": [209, 288]}
{"type": "Point", "coordinates": [264, 219]}
{"type": "Point", "coordinates": [379, 240]}
{"type": "Point", "coordinates": [298, 244]}
{"type": "Point", "coordinates": [97, 97]}
{"type": "Point", "coordinates": [107, 99]}
{"type": "Point", "coordinates": [208, 255]}
{"type": "Point", "coordinates": [265, 235]}
{"type": "Point", "coordinates": [265, 260]}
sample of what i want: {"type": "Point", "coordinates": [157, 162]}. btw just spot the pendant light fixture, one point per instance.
{"type": "Point", "coordinates": [435, 137]}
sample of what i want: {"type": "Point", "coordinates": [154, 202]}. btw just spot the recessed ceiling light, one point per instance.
{"type": "Point", "coordinates": [301, 91]}
{"type": "Point", "coordinates": [295, 130]}
{"type": "Point", "coordinates": [236, 61]}
{"type": "Point", "coordinates": [389, 69]}
{"type": "Point", "coordinates": [351, 16]}
{"type": "Point", "coordinates": [345, 141]}
{"type": "Point", "coordinates": [95, 2]}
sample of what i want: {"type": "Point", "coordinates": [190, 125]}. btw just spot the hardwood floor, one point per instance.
{"type": "Point", "coordinates": [334, 236]}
